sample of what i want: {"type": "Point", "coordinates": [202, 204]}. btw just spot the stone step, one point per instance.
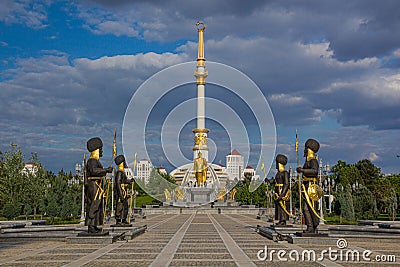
{"type": "Point", "coordinates": [32, 229]}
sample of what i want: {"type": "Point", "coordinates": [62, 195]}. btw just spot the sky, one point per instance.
{"type": "Point", "coordinates": [68, 70]}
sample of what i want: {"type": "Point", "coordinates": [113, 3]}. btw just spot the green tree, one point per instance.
{"type": "Point", "coordinates": [369, 173]}
{"type": "Point", "coordinates": [392, 204]}
{"type": "Point", "coordinates": [11, 210]}
{"type": "Point", "coordinates": [70, 203]}
{"type": "Point", "coordinates": [245, 197]}
{"type": "Point", "coordinates": [12, 176]}
{"type": "Point", "coordinates": [394, 181]}
{"type": "Point", "coordinates": [344, 203]}
{"type": "Point", "coordinates": [56, 192]}
{"type": "Point", "coordinates": [35, 184]}
{"type": "Point", "coordinates": [364, 204]}
{"type": "Point", "coordinates": [380, 188]}
{"type": "Point", "coordinates": [158, 183]}
{"type": "Point", "coordinates": [346, 174]}
{"type": "Point", "coordinates": [27, 210]}
{"type": "Point", "coordinates": [52, 207]}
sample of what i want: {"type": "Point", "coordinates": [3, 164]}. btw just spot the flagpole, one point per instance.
{"type": "Point", "coordinates": [83, 215]}
{"type": "Point", "coordinates": [132, 189]}
{"type": "Point", "coordinates": [299, 179]}
{"type": "Point", "coordinates": [113, 177]}
{"type": "Point", "coordinates": [266, 183]}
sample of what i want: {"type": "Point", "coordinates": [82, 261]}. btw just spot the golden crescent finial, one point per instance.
{"type": "Point", "coordinates": [200, 26]}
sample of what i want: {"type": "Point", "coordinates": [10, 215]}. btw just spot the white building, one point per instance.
{"type": "Point", "coordinates": [162, 170]}
{"type": "Point", "coordinates": [234, 165]}
{"type": "Point", "coordinates": [143, 170]}
{"type": "Point", "coordinates": [249, 171]}
{"type": "Point", "coordinates": [29, 168]}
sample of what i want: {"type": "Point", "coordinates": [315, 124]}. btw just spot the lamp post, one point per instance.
{"type": "Point", "coordinates": [79, 173]}
{"type": "Point", "coordinates": [327, 170]}
{"type": "Point", "coordinates": [321, 209]}
{"type": "Point", "coordinates": [290, 188]}
{"type": "Point", "coordinates": [112, 192]}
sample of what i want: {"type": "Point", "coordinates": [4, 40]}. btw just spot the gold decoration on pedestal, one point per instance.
{"type": "Point", "coordinates": [200, 140]}
{"type": "Point", "coordinates": [201, 130]}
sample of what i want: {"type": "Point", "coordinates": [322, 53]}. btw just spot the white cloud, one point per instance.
{"type": "Point", "coordinates": [373, 157]}
{"type": "Point", "coordinates": [131, 62]}
{"type": "Point", "coordinates": [312, 61]}
{"type": "Point", "coordinates": [287, 99]}
{"type": "Point", "coordinates": [30, 13]}
{"type": "Point", "coordinates": [116, 28]}
{"type": "Point", "coordinates": [68, 102]}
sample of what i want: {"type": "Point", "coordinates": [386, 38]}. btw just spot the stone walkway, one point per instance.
{"type": "Point", "coordinates": [187, 240]}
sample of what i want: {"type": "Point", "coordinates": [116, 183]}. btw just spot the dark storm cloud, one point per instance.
{"type": "Point", "coordinates": [372, 101]}
{"type": "Point", "coordinates": [192, 8]}
{"type": "Point", "coordinates": [312, 60]}
{"type": "Point", "coordinates": [294, 48]}
{"type": "Point", "coordinates": [356, 143]}
{"type": "Point", "coordinates": [305, 82]}
{"type": "Point", "coordinates": [354, 29]}
{"type": "Point", "coordinates": [50, 91]}
{"type": "Point", "coordinates": [50, 105]}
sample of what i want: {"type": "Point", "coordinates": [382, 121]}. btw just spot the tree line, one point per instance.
{"type": "Point", "coordinates": [360, 191]}
{"type": "Point", "coordinates": [363, 192]}
{"type": "Point", "coordinates": [36, 191]}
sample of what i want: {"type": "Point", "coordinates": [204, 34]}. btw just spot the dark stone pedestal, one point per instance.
{"type": "Point", "coordinates": [311, 238]}
{"type": "Point", "coordinates": [98, 239]}
{"type": "Point", "coordinates": [281, 226]}
{"type": "Point", "coordinates": [301, 234]}
{"type": "Point", "coordinates": [121, 225]}
{"type": "Point", "coordinates": [87, 234]}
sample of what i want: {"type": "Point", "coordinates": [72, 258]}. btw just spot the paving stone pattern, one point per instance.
{"type": "Point", "coordinates": [183, 240]}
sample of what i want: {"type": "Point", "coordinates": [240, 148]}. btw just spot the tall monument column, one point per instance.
{"type": "Point", "coordinates": [200, 138]}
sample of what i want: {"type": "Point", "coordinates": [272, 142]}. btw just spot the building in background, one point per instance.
{"type": "Point", "coordinates": [162, 170]}
{"type": "Point", "coordinates": [29, 168]}
{"type": "Point", "coordinates": [143, 170]}
{"type": "Point", "coordinates": [234, 165]}
{"type": "Point", "coordinates": [249, 171]}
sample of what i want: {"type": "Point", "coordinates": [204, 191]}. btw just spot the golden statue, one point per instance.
{"type": "Point", "coordinates": [179, 193]}
{"type": "Point", "coordinates": [221, 194]}
{"type": "Point", "coordinates": [200, 169]}
{"type": "Point", "coordinates": [232, 194]}
{"type": "Point", "coordinates": [167, 194]}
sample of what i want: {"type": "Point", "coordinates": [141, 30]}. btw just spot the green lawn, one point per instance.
{"type": "Point", "coordinates": [335, 219]}
{"type": "Point", "coordinates": [145, 200]}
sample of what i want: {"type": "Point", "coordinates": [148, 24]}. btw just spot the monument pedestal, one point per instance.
{"type": "Point", "coordinates": [113, 234]}
{"type": "Point", "coordinates": [200, 195]}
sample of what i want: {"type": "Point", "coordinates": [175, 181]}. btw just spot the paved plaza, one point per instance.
{"type": "Point", "coordinates": [185, 240]}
